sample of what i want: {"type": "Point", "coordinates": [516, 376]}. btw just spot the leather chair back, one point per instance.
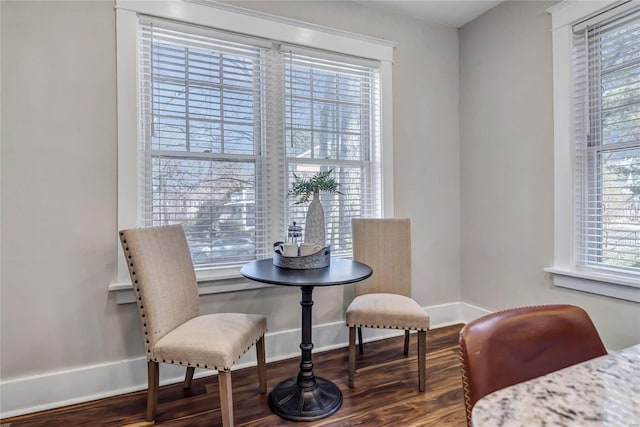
{"type": "Point", "coordinates": [512, 346]}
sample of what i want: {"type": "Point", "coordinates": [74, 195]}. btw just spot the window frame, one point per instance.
{"type": "Point", "coordinates": [565, 269]}
{"type": "Point", "coordinates": [249, 24]}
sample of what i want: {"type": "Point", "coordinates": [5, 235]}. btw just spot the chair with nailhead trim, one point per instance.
{"type": "Point", "coordinates": [166, 290]}
{"type": "Point", "coordinates": [384, 299]}
{"type": "Point", "coordinates": [516, 345]}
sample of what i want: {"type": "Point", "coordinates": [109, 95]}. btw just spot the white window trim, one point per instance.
{"type": "Point", "coordinates": [565, 273]}
{"type": "Point", "coordinates": [234, 19]}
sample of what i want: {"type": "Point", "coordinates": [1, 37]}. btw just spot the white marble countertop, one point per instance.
{"type": "Point", "coordinates": [600, 392]}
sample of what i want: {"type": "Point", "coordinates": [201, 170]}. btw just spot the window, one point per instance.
{"type": "Point", "coordinates": [205, 153]}
{"type": "Point", "coordinates": [597, 148]}
{"type": "Point", "coordinates": [331, 111]}
{"type": "Point", "coordinates": [201, 104]}
{"type": "Point", "coordinates": [607, 139]}
{"type": "Point", "coordinates": [218, 107]}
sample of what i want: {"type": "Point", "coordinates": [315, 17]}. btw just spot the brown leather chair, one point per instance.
{"type": "Point", "coordinates": [512, 346]}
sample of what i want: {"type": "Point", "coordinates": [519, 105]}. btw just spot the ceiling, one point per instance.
{"type": "Point", "coordinates": [452, 13]}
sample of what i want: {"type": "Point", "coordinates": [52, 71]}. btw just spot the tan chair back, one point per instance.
{"type": "Point", "coordinates": [384, 244]}
{"type": "Point", "coordinates": [512, 346]}
{"type": "Point", "coordinates": [163, 279]}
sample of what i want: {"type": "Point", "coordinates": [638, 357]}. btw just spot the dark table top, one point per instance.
{"type": "Point", "coordinates": [339, 272]}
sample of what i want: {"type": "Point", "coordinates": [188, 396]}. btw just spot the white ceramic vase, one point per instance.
{"type": "Point", "coordinates": [314, 224]}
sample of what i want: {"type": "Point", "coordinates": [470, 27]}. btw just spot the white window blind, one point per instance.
{"type": "Point", "coordinates": [226, 121]}
{"type": "Point", "coordinates": [606, 60]}
{"type": "Point", "coordinates": [201, 104]}
{"type": "Point", "coordinates": [332, 123]}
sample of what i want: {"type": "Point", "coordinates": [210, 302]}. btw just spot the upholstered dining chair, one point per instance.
{"type": "Point", "coordinates": [512, 346]}
{"type": "Point", "coordinates": [384, 299]}
{"type": "Point", "coordinates": [174, 332]}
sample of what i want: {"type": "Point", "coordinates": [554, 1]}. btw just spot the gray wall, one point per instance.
{"type": "Point", "coordinates": [506, 144]}
{"type": "Point", "coordinates": [59, 159]}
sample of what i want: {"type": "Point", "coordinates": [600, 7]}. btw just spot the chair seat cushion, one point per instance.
{"type": "Point", "coordinates": [214, 341]}
{"type": "Point", "coordinates": [389, 311]}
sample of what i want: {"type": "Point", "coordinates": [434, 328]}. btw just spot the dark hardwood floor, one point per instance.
{"type": "Point", "coordinates": [385, 393]}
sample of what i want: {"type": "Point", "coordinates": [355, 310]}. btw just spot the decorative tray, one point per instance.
{"type": "Point", "coordinates": [320, 259]}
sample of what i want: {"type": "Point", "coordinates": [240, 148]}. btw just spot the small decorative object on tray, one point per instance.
{"type": "Point", "coordinates": [294, 233]}
{"type": "Point", "coordinates": [303, 256]}
{"type": "Point", "coordinates": [306, 188]}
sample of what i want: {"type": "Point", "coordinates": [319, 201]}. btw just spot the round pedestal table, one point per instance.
{"type": "Point", "coordinates": [306, 397]}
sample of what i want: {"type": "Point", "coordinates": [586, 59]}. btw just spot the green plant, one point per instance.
{"type": "Point", "coordinates": [304, 188]}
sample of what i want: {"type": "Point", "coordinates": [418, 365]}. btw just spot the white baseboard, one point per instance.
{"type": "Point", "coordinates": [471, 312]}
{"type": "Point", "coordinates": [55, 389]}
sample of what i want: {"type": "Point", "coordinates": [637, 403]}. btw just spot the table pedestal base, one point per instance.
{"type": "Point", "coordinates": [296, 403]}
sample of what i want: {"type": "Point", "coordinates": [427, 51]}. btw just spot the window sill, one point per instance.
{"type": "Point", "coordinates": [210, 281]}
{"type": "Point", "coordinates": [597, 283]}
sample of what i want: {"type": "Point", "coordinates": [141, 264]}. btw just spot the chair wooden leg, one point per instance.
{"type": "Point", "coordinates": [152, 393]}
{"type": "Point", "coordinates": [226, 397]}
{"type": "Point", "coordinates": [262, 370]}
{"type": "Point", "coordinates": [188, 378]}
{"type": "Point", "coordinates": [422, 362]}
{"type": "Point", "coordinates": [352, 355]}
{"type": "Point", "coordinates": [406, 342]}
{"type": "Point", "coordinates": [361, 345]}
